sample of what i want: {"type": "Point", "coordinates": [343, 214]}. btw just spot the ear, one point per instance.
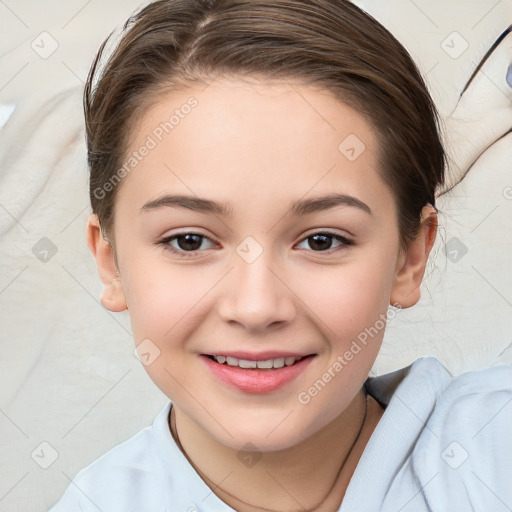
{"type": "Point", "coordinates": [412, 262]}
{"type": "Point", "coordinates": [112, 297]}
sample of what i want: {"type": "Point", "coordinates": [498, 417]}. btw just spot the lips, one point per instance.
{"type": "Point", "coordinates": [256, 373]}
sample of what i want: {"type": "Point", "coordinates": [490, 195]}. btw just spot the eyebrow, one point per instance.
{"type": "Point", "coordinates": [300, 207]}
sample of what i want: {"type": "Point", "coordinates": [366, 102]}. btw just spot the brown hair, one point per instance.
{"type": "Point", "coordinates": [331, 43]}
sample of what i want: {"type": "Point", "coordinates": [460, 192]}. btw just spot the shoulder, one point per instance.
{"type": "Point", "coordinates": [475, 403]}
{"type": "Point", "coordinates": [127, 477]}
{"type": "Point", "coordinates": [464, 452]}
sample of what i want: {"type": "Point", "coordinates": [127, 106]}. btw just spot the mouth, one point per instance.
{"type": "Point", "coordinates": [256, 374]}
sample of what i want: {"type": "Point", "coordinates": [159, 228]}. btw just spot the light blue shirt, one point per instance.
{"type": "Point", "coordinates": [443, 444]}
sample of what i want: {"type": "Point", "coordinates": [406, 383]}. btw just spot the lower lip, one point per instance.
{"type": "Point", "coordinates": [255, 380]}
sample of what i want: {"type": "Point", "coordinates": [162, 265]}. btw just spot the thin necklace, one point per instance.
{"type": "Point", "coordinates": [174, 432]}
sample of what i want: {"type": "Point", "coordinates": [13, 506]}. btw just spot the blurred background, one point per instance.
{"type": "Point", "coordinates": [70, 385]}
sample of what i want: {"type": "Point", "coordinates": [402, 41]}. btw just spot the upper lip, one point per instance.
{"type": "Point", "coordinates": [258, 356]}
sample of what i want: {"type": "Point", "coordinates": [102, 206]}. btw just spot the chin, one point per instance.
{"type": "Point", "coordinates": [266, 435]}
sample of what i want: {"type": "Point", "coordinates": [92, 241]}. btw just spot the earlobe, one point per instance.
{"type": "Point", "coordinates": [112, 297]}
{"type": "Point", "coordinates": [412, 262]}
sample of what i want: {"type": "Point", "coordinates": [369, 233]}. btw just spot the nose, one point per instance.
{"type": "Point", "coordinates": [256, 296]}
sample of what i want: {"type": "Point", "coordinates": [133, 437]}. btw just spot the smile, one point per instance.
{"type": "Point", "coordinates": [264, 374]}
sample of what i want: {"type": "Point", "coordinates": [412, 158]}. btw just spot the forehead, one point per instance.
{"type": "Point", "coordinates": [253, 140]}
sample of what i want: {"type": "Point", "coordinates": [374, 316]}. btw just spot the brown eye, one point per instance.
{"type": "Point", "coordinates": [185, 243]}
{"type": "Point", "coordinates": [323, 241]}
{"type": "Point", "coordinates": [189, 242]}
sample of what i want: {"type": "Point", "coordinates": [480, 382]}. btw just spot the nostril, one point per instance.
{"type": "Point", "coordinates": [509, 75]}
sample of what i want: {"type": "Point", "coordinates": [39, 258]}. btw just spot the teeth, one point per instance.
{"type": "Point", "coordinates": [279, 362]}
{"type": "Point", "coordinates": [265, 364]}
{"type": "Point", "coordinates": [244, 363]}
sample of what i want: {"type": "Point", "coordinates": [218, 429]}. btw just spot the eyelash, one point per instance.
{"type": "Point", "coordinates": [345, 242]}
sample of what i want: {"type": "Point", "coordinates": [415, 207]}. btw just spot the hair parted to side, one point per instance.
{"type": "Point", "coordinates": [330, 43]}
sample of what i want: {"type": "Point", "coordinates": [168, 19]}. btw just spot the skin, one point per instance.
{"type": "Point", "coordinates": [241, 145]}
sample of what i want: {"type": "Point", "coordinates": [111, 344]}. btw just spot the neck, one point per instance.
{"type": "Point", "coordinates": [312, 475]}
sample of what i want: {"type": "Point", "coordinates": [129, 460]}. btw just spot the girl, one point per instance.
{"type": "Point", "coordinates": [263, 179]}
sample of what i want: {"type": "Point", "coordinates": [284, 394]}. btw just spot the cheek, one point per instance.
{"type": "Point", "coordinates": [167, 305]}
{"type": "Point", "coordinates": [349, 306]}
{"type": "Point", "coordinates": [347, 298]}
{"type": "Point", "coordinates": [165, 299]}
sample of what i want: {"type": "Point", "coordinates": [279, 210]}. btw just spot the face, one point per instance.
{"type": "Point", "coordinates": [225, 248]}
